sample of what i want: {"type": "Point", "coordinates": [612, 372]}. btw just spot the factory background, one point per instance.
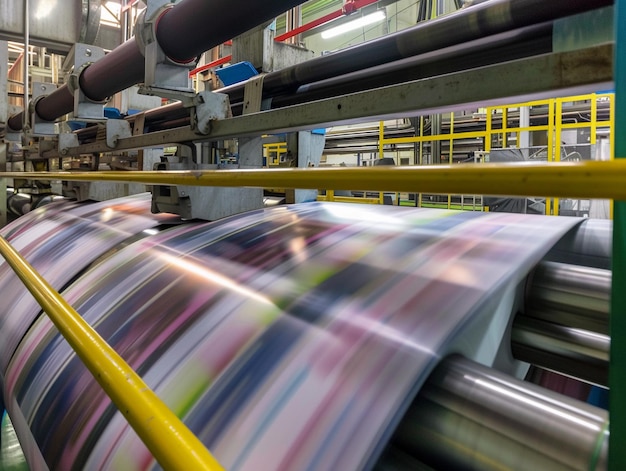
{"type": "Point", "coordinates": [338, 234]}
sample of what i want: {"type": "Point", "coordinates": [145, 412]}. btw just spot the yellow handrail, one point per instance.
{"type": "Point", "coordinates": [585, 179]}
{"type": "Point", "coordinates": [168, 439]}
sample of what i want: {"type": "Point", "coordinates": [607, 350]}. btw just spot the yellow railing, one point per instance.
{"type": "Point", "coordinates": [172, 444]}
{"type": "Point", "coordinates": [553, 129]}
{"type": "Point", "coordinates": [273, 151]}
{"type": "Point", "coordinates": [585, 179]}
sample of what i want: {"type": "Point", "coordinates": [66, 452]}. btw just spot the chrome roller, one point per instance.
{"type": "Point", "coordinates": [471, 418]}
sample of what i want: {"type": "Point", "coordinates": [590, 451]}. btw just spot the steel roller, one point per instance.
{"type": "Point", "coordinates": [471, 418]}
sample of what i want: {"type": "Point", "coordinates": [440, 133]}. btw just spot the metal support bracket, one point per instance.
{"type": "Point", "coordinates": [253, 95]}
{"type": "Point", "coordinates": [163, 77]}
{"type": "Point", "coordinates": [10, 135]}
{"type": "Point", "coordinates": [67, 140]}
{"type": "Point", "coordinates": [41, 127]}
{"type": "Point", "coordinates": [84, 108]}
{"type": "Point", "coordinates": [117, 129]}
{"type": "Point", "coordinates": [209, 106]}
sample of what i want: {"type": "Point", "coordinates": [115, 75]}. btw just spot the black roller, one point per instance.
{"type": "Point", "coordinates": [184, 31]}
{"type": "Point", "coordinates": [493, 17]}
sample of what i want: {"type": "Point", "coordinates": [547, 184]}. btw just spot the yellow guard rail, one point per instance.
{"type": "Point", "coordinates": [168, 439]}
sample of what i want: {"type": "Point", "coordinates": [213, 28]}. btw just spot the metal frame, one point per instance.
{"type": "Point", "coordinates": [542, 75]}
{"type": "Point", "coordinates": [617, 370]}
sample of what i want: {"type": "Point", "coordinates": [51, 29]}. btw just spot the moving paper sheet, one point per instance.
{"type": "Point", "coordinates": [290, 338]}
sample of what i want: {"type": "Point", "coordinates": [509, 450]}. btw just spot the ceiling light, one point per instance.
{"type": "Point", "coordinates": [366, 20]}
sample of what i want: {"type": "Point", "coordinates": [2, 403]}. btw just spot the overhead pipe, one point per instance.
{"type": "Point", "coordinates": [493, 17]}
{"type": "Point", "coordinates": [472, 37]}
{"type": "Point", "coordinates": [183, 32]}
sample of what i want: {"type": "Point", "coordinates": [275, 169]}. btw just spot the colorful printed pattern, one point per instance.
{"type": "Point", "coordinates": [291, 338]}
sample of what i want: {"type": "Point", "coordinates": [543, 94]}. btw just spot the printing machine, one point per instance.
{"type": "Point", "coordinates": [313, 336]}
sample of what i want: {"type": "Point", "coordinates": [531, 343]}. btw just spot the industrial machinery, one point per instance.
{"type": "Point", "coordinates": [298, 336]}
{"type": "Point", "coordinates": [309, 336]}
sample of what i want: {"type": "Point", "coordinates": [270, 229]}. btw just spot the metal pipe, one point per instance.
{"type": "Point", "coordinates": [168, 439]}
{"type": "Point", "coordinates": [510, 45]}
{"type": "Point", "coordinates": [570, 295]}
{"type": "Point", "coordinates": [574, 352]}
{"type": "Point", "coordinates": [532, 40]}
{"type": "Point", "coordinates": [183, 32]}
{"type": "Point", "coordinates": [585, 179]}
{"type": "Point", "coordinates": [469, 417]}
{"type": "Point", "coordinates": [193, 26]}
{"type": "Point", "coordinates": [473, 23]}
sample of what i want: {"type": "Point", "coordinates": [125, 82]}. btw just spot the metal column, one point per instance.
{"type": "Point", "coordinates": [617, 372]}
{"type": "Point", "coordinates": [4, 106]}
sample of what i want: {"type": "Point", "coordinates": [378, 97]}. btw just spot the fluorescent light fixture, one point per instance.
{"type": "Point", "coordinates": [361, 22]}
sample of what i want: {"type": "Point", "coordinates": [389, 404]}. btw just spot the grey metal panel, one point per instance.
{"type": "Point", "coordinates": [55, 24]}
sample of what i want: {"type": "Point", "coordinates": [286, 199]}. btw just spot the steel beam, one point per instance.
{"type": "Point", "coordinates": [4, 107]}
{"type": "Point", "coordinates": [542, 76]}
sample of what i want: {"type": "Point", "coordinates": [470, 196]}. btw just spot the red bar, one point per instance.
{"type": "Point", "coordinates": [313, 24]}
{"type": "Point", "coordinates": [349, 8]}
{"type": "Point", "coordinates": [210, 65]}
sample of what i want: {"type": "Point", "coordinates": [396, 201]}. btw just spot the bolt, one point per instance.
{"type": "Point", "coordinates": [88, 52]}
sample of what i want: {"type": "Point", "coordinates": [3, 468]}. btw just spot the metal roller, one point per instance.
{"type": "Point", "coordinates": [570, 295]}
{"type": "Point", "coordinates": [574, 352]}
{"type": "Point", "coordinates": [471, 418]}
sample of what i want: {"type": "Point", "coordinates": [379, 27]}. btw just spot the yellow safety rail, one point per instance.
{"type": "Point", "coordinates": [331, 197]}
{"type": "Point", "coordinates": [553, 129]}
{"type": "Point", "coordinates": [168, 439]}
{"type": "Point", "coordinates": [584, 179]}
{"type": "Point", "coordinates": [273, 151]}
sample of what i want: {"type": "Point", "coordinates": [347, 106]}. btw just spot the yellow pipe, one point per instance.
{"type": "Point", "coordinates": [585, 179]}
{"type": "Point", "coordinates": [381, 139]}
{"type": "Point", "coordinates": [168, 439]}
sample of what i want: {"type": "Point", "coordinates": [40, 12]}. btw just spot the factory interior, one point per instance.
{"type": "Point", "coordinates": [380, 235]}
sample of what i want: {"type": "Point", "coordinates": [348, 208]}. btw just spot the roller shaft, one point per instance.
{"type": "Point", "coordinates": [469, 417]}
{"type": "Point", "coordinates": [570, 295]}
{"type": "Point", "coordinates": [575, 352]}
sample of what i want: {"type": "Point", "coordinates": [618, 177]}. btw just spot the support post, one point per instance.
{"type": "Point", "coordinates": [617, 372]}
{"type": "Point", "coordinates": [4, 113]}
